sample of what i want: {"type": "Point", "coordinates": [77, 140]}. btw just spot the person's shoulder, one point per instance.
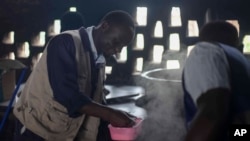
{"type": "Point", "coordinates": [63, 37]}
{"type": "Point", "coordinates": [207, 48]}
{"type": "Point", "coordinates": [205, 53]}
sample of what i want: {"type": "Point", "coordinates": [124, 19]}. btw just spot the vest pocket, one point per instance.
{"type": "Point", "coordinates": [56, 120]}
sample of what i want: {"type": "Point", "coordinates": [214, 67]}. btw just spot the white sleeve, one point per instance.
{"type": "Point", "coordinates": [206, 68]}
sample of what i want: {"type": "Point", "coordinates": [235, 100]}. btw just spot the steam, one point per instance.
{"type": "Point", "coordinates": [164, 104]}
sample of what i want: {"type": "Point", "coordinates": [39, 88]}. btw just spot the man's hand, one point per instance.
{"type": "Point", "coordinates": [119, 118]}
{"type": "Point", "coordinates": [115, 117]}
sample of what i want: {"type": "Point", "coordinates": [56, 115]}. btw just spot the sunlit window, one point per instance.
{"type": "Point", "coordinates": [172, 64]}
{"type": "Point", "coordinates": [141, 16]}
{"type": "Point", "coordinates": [193, 29]}
{"type": "Point", "coordinates": [42, 39]}
{"type": "Point", "coordinates": [189, 48]}
{"type": "Point", "coordinates": [246, 42]}
{"type": "Point", "coordinates": [139, 42]}
{"type": "Point", "coordinates": [174, 42]}
{"type": "Point", "coordinates": [122, 57]}
{"type": "Point", "coordinates": [176, 16]}
{"type": "Point", "coordinates": [108, 70]}
{"type": "Point", "coordinates": [23, 50]}
{"type": "Point", "coordinates": [12, 56]}
{"type": "Point", "coordinates": [138, 65]}
{"type": "Point", "coordinates": [55, 28]}
{"type": "Point", "coordinates": [157, 53]}
{"type": "Point", "coordinates": [72, 9]}
{"type": "Point", "coordinates": [158, 32]}
{"type": "Point", "coordinates": [9, 38]}
{"type": "Point", "coordinates": [39, 40]}
{"type": "Point", "coordinates": [236, 25]}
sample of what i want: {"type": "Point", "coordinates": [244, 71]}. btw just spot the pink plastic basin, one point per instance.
{"type": "Point", "coordinates": [125, 134]}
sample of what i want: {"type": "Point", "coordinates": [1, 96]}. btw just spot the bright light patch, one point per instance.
{"type": "Point", "coordinates": [72, 9]}
{"type": "Point", "coordinates": [174, 42]}
{"type": "Point", "coordinates": [57, 27]}
{"type": "Point", "coordinates": [12, 56]}
{"type": "Point", "coordinates": [157, 53]}
{"type": "Point", "coordinates": [9, 38]}
{"type": "Point", "coordinates": [108, 70]}
{"type": "Point", "coordinates": [139, 42]}
{"type": "Point", "coordinates": [141, 16]}
{"type": "Point", "coordinates": [246, 42]}
{"type": "Point", "coordinates": [122, 57]}
{"type": "Point", "coordinates": [193, 29]}
{"type": "Point", "coordinates": [42, 38]}
{"type": "Point", "coordinates": [236, 25]}
{"type": "Point", "coordinates": [158, 32]}
{"type": "Point", "coordinates": [23, 50]}
{"type": "Point", "coordinates": [139, 64]}
{"type": "Point", "coordinates": [39, 40]}
{"type": "Point", "coordinates": [173, 64]}
{"type": "Point", "coordinates": [54, 28]}
{"type": "Point", "coordinates": [176, 16]}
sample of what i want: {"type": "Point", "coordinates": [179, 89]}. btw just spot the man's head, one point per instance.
{"type": "Point", "coordinates": [71, 21]}
{"type": "Point", "coordinates": [220, 31]}
{"type": "Point", "coordinates": [115, 31]}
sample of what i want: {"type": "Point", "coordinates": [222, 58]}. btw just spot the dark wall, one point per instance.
{"type": "Point", "coordinates": [28, 17]}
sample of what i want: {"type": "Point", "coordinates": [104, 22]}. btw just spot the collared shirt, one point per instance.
{"type": "Point", "coordinates": [99, 59]}
{"type": "Point", "coordinates": [62, 72]}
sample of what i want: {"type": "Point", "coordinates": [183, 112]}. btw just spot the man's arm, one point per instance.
{"type": "Point", "coordinates": [212, 114]}
{"type": "Point", "coordinates": [115, 117]}
{"type": "Point", "coordinates": [62, 72]}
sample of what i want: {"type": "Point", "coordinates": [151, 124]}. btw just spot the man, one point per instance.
{"type": "Point", "coordinates": [215, 82]}
{"type": "Point", "coordinates": [64, 91]}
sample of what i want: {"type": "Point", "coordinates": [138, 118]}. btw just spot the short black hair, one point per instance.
{"type": "Point", "coordinates": [220, 31]}
{"type": "Point", "coordinates": [72, 20]}
{"type": "Point", "coordinates": [119, 17]}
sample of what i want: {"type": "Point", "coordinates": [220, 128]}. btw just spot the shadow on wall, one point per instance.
{"type": "Point", "coordinates": [164, 105]}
